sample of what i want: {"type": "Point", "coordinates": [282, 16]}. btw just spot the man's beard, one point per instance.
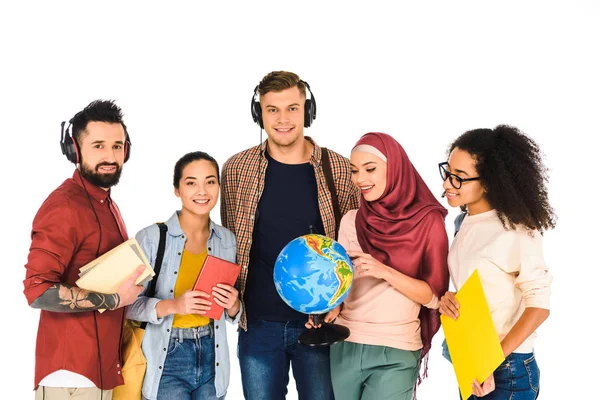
{"type": "Point", "coordinates": [103, 180]}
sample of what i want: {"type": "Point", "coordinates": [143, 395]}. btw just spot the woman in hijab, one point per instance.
{"type": "Point", "coordinates": [397, 239]}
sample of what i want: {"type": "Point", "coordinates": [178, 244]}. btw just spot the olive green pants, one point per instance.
{"type": "Point", "coordinates": [366, 372]}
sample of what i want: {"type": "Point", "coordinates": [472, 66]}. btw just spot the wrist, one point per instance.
{"type": "Point", "coordinates": [387, 273]}
{"type": "Point", "coordinates": [505, 350]}
{"type": "Point", "coordinates": [233, 311]}
{"type": "Point", "coordinates": [112, 301]}
{"type": "Point", "coordinates": [164, 308]}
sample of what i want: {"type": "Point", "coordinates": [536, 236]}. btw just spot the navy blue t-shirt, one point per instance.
{"type": "Point", "coordinates": [287, 208]}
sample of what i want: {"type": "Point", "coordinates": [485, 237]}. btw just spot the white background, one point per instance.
{"type": "Point", "coordinates": [184, 75]}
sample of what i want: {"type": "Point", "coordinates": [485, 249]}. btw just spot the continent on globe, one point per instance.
{"type": "Point", "coordinates": [313, 274]}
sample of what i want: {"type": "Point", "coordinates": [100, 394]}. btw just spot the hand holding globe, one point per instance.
{"type": "Point", "coordinates": [313, 274]}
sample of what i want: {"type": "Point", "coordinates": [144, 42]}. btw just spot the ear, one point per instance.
{"type": "Point", "coordinates": [176, 191]}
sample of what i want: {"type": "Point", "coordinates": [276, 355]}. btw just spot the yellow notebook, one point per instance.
{"type": "Point", "coordinates": [472, 340]}
{"type": "Point", "coordinates": [106, 273]}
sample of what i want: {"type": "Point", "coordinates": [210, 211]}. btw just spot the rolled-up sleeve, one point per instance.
{"type": "Point", "coordinates": [53, 243]}
{"type": "Point", "coordinates": [144, 308]}
{"type": "Point", "coordinates": [533, 278]}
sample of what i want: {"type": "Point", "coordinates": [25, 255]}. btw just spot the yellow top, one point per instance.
{"type": "Point", "coordinates": [190, 267]}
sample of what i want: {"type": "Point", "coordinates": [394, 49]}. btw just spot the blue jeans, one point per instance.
{"type": "Point", "coordinates": [517, 378]}
{"type": "Point", "coordinates": [265, 352]}
{"type": "Point", "coordinates": [189, 370]}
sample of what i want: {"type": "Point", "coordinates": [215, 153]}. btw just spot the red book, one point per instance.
{"type": "Point", "coordinates": [216, 270]}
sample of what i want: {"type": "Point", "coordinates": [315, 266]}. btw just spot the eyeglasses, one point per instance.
{"type": "Point", "coordinates": [455, 180]}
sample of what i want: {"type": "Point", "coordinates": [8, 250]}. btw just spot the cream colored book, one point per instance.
{"type": "Point", "coordinates": [106, 273]}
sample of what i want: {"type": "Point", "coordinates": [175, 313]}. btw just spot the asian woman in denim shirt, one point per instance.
{"type": "Point", "coordinates": [187, 353]}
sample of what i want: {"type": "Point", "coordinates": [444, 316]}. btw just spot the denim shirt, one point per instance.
{"type": "Point", "coordinates": [221, 243]}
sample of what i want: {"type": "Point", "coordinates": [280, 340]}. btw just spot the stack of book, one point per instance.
{"type": "Point", "coordinates": [106, 273]}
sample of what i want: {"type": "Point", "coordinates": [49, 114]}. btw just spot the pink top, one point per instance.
{"type": "Point", "coordinates": [375, 312]}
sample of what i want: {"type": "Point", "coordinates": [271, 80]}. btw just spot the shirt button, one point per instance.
{"type": "Point", "coordinates": [175, 272]}
{"type": "Point", "coordinates": [165, 349]}
{"type": "Point", "coordinates": [217, 346]}
{"type": "Point", "coordinates": [118, 365]}
{"type": "Point", "coordinates": [171, 290]}
{"type": "Point", "coordinates": [159, 367]}
{"type": "Point", "coordinates": [217, 364]}
{"type": "Point", "coordinates": [168, 330]}
{"type": "Point", "coordinates": [101, 201]}
{"type": "Point", "coordinates": [209, 249]}
{"type": "Point", "coordinates": [216, 326]}
{"type": "Point", "coordinates": [178, 254]}
{"type": "Point", "coordinates": [119, 372]}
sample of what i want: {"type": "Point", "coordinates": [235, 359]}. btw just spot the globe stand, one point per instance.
{"type": "Point", "coordinates": [326, 335]}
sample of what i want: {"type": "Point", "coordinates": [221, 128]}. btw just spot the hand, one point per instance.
{"type": "Point", "coordinates": [192, 302]}
{"type": "Point", "coordinates": [227, 297]}
{"type": "Point", "coordinates": [366, 265]}
{"type": "Point", "coordinates": [485, 388]}
{"type": "Point", "coordinates": [128, 291]}
{"type": "Point", "coordinates": [449, 305]}
{"type": "Point", "coordinates": [329, 317]}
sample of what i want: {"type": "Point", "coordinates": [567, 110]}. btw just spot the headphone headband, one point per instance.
{"type": "Point", "coordinates": [310, 108]}
{"type": "Point", "coordinates": [70, 147]}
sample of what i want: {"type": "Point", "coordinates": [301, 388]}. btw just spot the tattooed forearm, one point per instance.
{"type": "Point", "coordinates": [62, 297]}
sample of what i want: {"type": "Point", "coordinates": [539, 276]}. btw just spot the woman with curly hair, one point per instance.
{"type": "Point", "coordinates": [498, 178]}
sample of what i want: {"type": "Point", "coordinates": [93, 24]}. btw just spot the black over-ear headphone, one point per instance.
{"type": "Point", "coordinates": [70, 147]}
{"type": "Point", "coordinates": [310, 108]}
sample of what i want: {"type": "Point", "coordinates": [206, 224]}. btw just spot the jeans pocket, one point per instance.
{"type": "Point", "coordinates": [533, 372]}
{"type": "Point", "coordinates": [173, 346]}
{"type": "Point", "coordinates": [503, 376]}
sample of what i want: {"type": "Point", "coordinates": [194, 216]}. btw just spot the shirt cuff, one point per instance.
{"type": "Point", "coordinates": [434, 303]}
{"type": "Point", "coordinates": [238, 316]}
{"type": "Point", "coordinates": [151, 307]}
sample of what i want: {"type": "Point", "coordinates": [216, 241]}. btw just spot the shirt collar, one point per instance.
{"type": "Point", "coordinates": [95, 192]}
{"type": "Point", "coordinates": [174, 227]}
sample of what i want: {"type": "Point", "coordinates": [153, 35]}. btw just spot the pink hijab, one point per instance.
{"type": "Point", "coordinates": [393, 230]}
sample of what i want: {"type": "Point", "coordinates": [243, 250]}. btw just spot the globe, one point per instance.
{"type": "Point", "coordinates": [313, 274]}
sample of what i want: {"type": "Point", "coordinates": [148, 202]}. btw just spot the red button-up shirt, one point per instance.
{"type": "Point", "coordinates": [65, 237]}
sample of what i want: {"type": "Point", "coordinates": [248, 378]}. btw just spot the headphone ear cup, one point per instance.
{"type": "Point", "coordinates": [257, 113]}
{"type": "Point", "coordinates": [308, 113]}
{"type": "Point", "coordinates": [70, 148]}
{"type": "Point", "coordinates": [127, 147]}
{"type": "Point", "coordinates": [255, 109]}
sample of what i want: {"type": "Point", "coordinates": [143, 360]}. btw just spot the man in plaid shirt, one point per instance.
{"type": "Point", "coordinates": [271, 194]}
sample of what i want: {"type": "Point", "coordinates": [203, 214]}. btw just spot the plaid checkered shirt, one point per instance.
{"type": "Point", "coordinates": [241, 190]}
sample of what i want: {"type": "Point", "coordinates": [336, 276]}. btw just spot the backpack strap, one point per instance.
{"type": "Point", "coordinates": [326, 166]}
{"type": "Point", "coordinates": [158, 263]}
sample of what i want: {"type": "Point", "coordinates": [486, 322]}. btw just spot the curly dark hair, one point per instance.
{"type": "Point", "coordinates": [513, 175]}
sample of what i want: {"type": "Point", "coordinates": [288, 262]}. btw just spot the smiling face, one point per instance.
{"type": "Point", "coordinates": [471, 193]}
{"type": "Point", "coordinates": [369, 174]}
{"type": "Point", "coordinates": [198, 187]}
{"type": "Point", "coordinates": [102, 153]}
{"type": "Point", "coordinates": [283, 116]}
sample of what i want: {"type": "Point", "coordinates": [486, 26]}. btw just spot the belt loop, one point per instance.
{"type": "Point", "coordinates": [180, 335]}
{"type": "Point", "coordinates": [212, 329]}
